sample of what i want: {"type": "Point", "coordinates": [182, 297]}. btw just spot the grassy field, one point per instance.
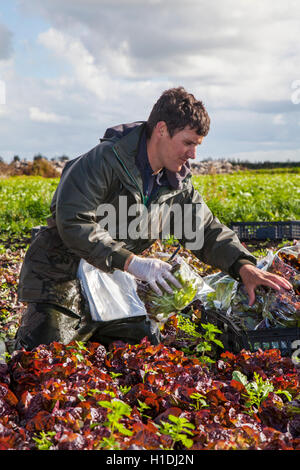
{"type": "Point", "coordinates": [24, 203]}
{"type": "Point", "coordinates": [246, 196]}
{"type": "Point", "coordinates": [252, 195]}
{"type": "Point", "coordinates": [73, 397]}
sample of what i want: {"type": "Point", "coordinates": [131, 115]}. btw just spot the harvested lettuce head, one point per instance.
{"type": "Point", "coordinates": [223, 287]}
{"type": "Point", "coordinates": [271, 309]}
{"type": "Point", "coordinates": [161, 307]}
{"type": "Point", "coordinates": [282, 309]}
{"type": "Point", "coordinates": [241, 313]}
{"type": "Point", "coordinates": [286, 263]}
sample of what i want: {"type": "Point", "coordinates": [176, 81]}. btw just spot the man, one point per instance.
{"type": "Point", "coordinates": [146, 163]}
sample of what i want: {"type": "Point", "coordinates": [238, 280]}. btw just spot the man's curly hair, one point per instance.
{"type": "Point", "coordinates": [179, 109]}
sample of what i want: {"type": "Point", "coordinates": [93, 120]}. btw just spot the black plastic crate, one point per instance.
{"type": "Point", "coordinates": [234, 339]}
{"type": "Point", "coordinates": [246, 231]}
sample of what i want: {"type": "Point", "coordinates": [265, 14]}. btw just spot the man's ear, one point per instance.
{"type": "Point", "coordinates": [161, 128]}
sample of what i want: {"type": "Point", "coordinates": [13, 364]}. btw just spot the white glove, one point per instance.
{"type": "Point", "coordinates": [153, 271]}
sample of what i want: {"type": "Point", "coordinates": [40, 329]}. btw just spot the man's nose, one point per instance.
{"type": "Point", "coordinates": [192, 153]}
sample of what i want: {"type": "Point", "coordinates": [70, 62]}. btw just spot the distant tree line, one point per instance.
{"type": "Point", "coordinates": [39, 166]}
{"type": "Point", "coordinates": [234, 162]}
{"type": "Point", "coordinates": [264, 165]}
{"type": "Point", "coordinates": [39, 156]}
{"type": "Point", "coordinates": [256, 165]}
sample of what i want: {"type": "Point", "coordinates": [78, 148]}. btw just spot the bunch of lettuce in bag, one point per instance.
{"type": "Point", "coordinates": [223, 289]}
{"type": "Point", "coordinates": [286, 263]}
{"type": "Point", "coordinates": [271, 308]}
{"type": "Point", "coordinates": [160, 308]}
{"type": "Point", "coordinates": [282, 309]}
{"type": "Point", "coordinates": [230, 297]}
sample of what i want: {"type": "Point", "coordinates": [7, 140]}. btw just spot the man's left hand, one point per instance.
{"type": "Point", "coordinates": [253, 277]}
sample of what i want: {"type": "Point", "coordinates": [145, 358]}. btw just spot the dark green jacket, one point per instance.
{"type": "Point", "coordinates": [100, 176]}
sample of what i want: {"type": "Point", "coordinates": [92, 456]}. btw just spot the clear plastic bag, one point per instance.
{"type": "Point", "coordinates": [223, 288]}
{"type": "Point", "coordinates": [286, 263]}
{"type": "Point", "coordinates": [272, 309]}
{"type": "Point", "coordinates": [110, 296]}
{"type": "Point", "coordinates": [160, 308]}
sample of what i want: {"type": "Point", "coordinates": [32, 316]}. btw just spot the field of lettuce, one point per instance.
{"type": "Point", "coordinates": [252, 196]}
{"type": "Point", "coordinates": [244, 196]}
{"type": "Point", "coordinates": [188, 393]}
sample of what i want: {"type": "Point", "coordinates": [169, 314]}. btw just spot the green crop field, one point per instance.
{"type": "Point", "coordinates": [50, 398]}
{"type": "Point", "coordinates": [244, 196]}
{"type": "Point", "coordinates": [251, 196]}
{"type": "Point", "coordinates": [24, 203]}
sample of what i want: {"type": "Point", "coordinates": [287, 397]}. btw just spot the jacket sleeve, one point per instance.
{"type": "Point", "coordinates": [217, 244]}
{"type": "Point", "coordinates": [84, 186]}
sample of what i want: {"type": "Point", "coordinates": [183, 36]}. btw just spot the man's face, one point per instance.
{"type": "Point", "coordinates": [177, 150]}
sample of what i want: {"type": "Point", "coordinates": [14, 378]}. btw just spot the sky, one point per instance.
{"type": "Point", "coordinates": [71, 68]}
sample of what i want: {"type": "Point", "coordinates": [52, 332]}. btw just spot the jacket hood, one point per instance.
{"type": "Point", "coordinates": [175, 179]}
{"type": "Point", "coordinates": [119, 131]}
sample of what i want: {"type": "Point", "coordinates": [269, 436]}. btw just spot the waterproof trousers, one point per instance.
{"type": "Point", "coordinates": [44, 323]}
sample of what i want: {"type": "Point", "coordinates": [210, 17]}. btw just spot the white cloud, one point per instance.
{"type": "Point", "coordinates": [71, 49]}
{"type": "Point", "coordinates": [37, 115]}
{"type": "Point", "coordinates": [244, 53]}
{"type": "Point", "coordinates": [2, 93]}
{"type": "Point", "coordinates": [279, 119]}
{"type": "Point", "coordinates": [97, 78]}
{"type": "Point", "coordinates": [295, 95]}
{"type": "Point", "coordinates": [240, 58]}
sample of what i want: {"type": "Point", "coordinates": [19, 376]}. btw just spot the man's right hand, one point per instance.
{"type": "Point", "coordinates": [154, 271]}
